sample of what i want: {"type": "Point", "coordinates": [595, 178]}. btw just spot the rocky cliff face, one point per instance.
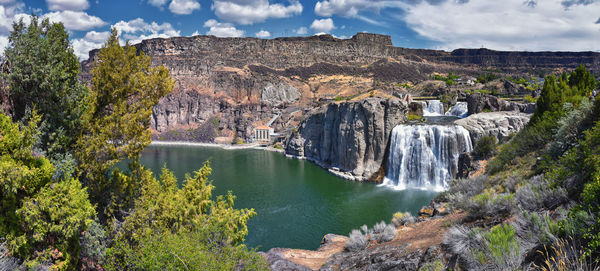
{"type": "Point", "coordinates": [245, 81]}
{"type": "Point", "coordinates": [497, 124]}
{"type": "Point", "coordinates": [350, 138]}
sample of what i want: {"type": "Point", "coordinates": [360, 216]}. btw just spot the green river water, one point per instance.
{"type": "Point", "coordinates": [296, 201]}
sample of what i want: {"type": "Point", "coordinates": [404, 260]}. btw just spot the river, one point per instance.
{"type": "Point", "coordinates": [296, 201]}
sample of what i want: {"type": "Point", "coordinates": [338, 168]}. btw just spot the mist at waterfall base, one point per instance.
{"type": "Point", "coordinates": [296, 202]}
{"type": "Point", "coordinates": [425, 156]}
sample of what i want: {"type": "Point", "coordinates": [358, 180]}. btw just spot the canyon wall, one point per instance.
{"type": "Point", "coordinates": [244, 82]}
{"type": "Point", "coordinates": [349, 138]}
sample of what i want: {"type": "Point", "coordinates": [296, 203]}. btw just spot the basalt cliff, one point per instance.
{"type": "Point", "coordinates": [235, 84]}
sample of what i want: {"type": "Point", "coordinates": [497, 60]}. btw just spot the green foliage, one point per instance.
{"type": "Point", "coordinates": [188, 251]}
{"type": "Point", "coordinates": [54, 219]}
{"type": "Point", "coordinates": [43, 73]}
{"type": "Point", "coordinates": [529, 99]}
{"type": "Point", "coordinates": [124, 89]}
{"type": "Point", "coordinates": [41, 219]}
{"type": "Point", "coordinates": [485, 146]}
{"type": "Point", "coordinates": [167, 213]}
{"type": "Point", "coordinates": [487, 77]}
{"type": "Point", "coordinates": [413, 117]}
{"type": "Point", "coordinates": [583, 80]}
{"type": "Point", "coordinates": [501, 243]}
{"type": "Point", "coordinates": [338, 98]}
{"type": "Point", "coordinates": [531, 138]}
{"type": "Point", "coordinates": [437, 265]}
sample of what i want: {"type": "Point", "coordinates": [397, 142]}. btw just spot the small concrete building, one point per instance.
{"type": "Point", "coordinates": [263, 133]}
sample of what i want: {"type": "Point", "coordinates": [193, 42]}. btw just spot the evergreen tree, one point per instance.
{"type": "Point", "coordinates": [42, 71]}
{"type": "Point", "coordinates": [41, 219]}
{"type": "Point", "coordinates": [124, 90]}
{"type": "Point", "coordinates": [548, 99]}
{"type": "Point", "coordinates": [583, 80]}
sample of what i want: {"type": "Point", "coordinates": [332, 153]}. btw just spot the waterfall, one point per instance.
{"type": "Point", "coordinates": [432, 108]}
{"type": "Point", "coordinates": [425, 156]}
{"type": "Point", "coordinates": [460, 109]}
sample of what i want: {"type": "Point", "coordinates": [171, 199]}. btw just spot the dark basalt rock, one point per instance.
{"type": "Point", "coordinates": [349, 137]}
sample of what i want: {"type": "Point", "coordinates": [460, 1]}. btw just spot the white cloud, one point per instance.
{"type": "Point", "coordinates": [137, 30]}
{"type": "Point", "coordinates": [77, 5]}
{"type": "Point", "coordinates": [322, 25]}
{"type": "Point", "coordinates": [301, 31]}
{"type": "Point", "coordinates": [92, 40]}
{"type": "Point", "coordinates": [507, 25]}
{"type": "Point", "coordinates": [184, 7]}
{"type": "Point", "coordinates": [222, 29]}
{"type": "Point", "coordinates": [133, 31]}
{"type": "Point", "coordinates": [3, 43]}
{"type": "Point", "coordinates": [157, 3]}
{"type": "Point", "coordinates": [75, 20]}
{"type": "Point", "coordinates": [262, 34]}
{"type": "Point", "coordinates": [196, 33]}
{"type": "Point", "coordinates": [10, 12]}
{"type": "Point", "coordinates": [351, 8]}
{"type": "Point", "coordinates": [253, 11]}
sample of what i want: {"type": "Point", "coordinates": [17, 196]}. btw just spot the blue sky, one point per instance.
{"type": "Point", "coordinates": [438, 24]}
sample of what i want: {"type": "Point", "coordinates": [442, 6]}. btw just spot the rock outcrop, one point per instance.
{"type": "Point", "coordinates": [478, 103]}
{"type": "Point", "coordinates": [415, 247]}
{"type": "Point", "coordinates": [348, 138]}
{"type": "Point", "coordinates": [497, 124]}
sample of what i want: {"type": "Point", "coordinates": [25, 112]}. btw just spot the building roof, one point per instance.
{"type": "Point", "coordinates": [263, 127]}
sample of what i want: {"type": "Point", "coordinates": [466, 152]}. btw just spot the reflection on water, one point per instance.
{"type": "Point", "coordinates": [296, 202]}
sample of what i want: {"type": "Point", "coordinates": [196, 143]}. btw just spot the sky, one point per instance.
{"type": "Point", "coordinates": [531, 25]}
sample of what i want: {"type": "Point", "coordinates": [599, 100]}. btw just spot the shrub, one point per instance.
{"type": "Point", "coordinates": [383, 232]}
{"type": "Point", "coordinates": [401, 219]}
{"type": "Point", "coordinates": [461, 190]}
{"type": "Point", "coordinates": [476, 249]}
{"type": "Point", "coordinates": [359, 239]}
{"type": "Point", "coordinates": [338, 98]}
{"type": "Point", "coordinates": [535, 230]}
{"type": "Point", "coordinates": [529, 99]}
{"type": "Point", "coordinates": [489, 204]}
{"type": "Point", "coordinates": [501, 242]}
{"type": "Point", "coordinates": [93, 245]}
{"type": "Point", "coordinates": [438, 265]}
{"type": "Point", "coordinates": [538, 194]}
{"type": "Point", "coordinates": [357, 242]}
{"type": "Point", "coordinates": [568, 130]}
{"type": "Point", "coordinates": [413, 117]}
{"type": "Point", "coordinates": [485, 147]}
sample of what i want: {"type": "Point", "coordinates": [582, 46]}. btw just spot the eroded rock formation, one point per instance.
{"type": "Point", "coordinates": [497, 124]}
{"type": "Point", "coordinates": [349, 138]}
{"type": "Point", "coordinates": [245, 81]}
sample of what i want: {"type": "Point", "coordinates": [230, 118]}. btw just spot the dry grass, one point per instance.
{"type": "Point", "coordinates": [566, 255]}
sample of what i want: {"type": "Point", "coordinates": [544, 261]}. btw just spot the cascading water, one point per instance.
{"type": "Point", "coordinates": [432, 108]}
{"type": "Point", "coordinates": [460, 109]}
{"type": "Point", "coordinates": [425, 156]}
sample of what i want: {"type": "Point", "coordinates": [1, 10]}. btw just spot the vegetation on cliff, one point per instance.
{"type": "Point", "coordinates": [64, 204]}
{"type": "Point", "coordinates": [542, 192]}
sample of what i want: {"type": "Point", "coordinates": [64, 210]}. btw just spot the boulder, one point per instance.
{"type": "Point", "coordinates": [478, 103]}
{"type": "Point", "coordinates": [497, 124]}
{"type": "Point", "coordinates": [426, 211]}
